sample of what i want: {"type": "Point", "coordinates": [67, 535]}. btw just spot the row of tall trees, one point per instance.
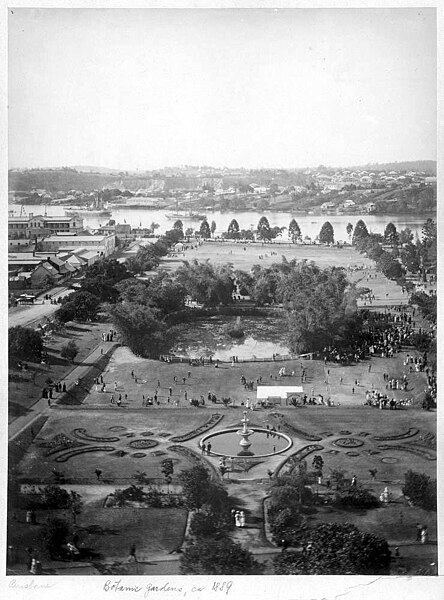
{"type": "Point", "coordinates": [267, 233]}
{"type": "Point", "coordinates": [417, 256]}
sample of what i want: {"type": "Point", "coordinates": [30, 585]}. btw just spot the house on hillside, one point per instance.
{"type": "Point", "coordinates": [45, 275]}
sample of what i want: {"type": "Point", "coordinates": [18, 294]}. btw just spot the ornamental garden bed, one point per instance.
{"type": "Point", "coordinates": [416, 451]}
{"type": "Point", "coordinates": [68, 455]}
{"type": "Point", "coordinates": [194, 457]}
{"type": "Point", "coordinates": [348, 443]}
{"type": "Point", "coordinates": [212, 421]}
{"type": "Point", "coordinates": [143, 444]}
{"type": "Point", "coordinates": [59, 443]}
{"type": "Point", "coordinates": [294, 430]}
{"type": "Point", "coordinates": [141, 498]}
{"type": "Point", "coordinates": [294, 459]}
{"type": "Point", "coordinates": [81, 434]}
{"type": "Point", "coordinates": [387, 438]}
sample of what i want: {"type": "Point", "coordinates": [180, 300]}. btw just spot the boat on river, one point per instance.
{"type": "Point", "coordinates": [97, 208]}
{"type": "Point", "coordinates": [76, 210]}
{"type": "Point", "coordinates": [186, 215]}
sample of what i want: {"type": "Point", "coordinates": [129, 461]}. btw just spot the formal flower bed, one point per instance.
{"type": "Point", "coordinates": [348, 442]}
{"type": "Point", "coordinates": [194, 457]}
{"type": "Point", "coordinates": [138, 497]}
{"type": "Point", "coordinates": [147, 433]}
{"type": "Point", "coordinates": [59, 443]}
{"type": "Point", "coordinates": [82, 435]}
{"type": "Point", "coordinates": [291, 461]}
{"type": "Point", "coordinates": [117, 428]}
{"type": "Point", "coordinates": [401, 436]}
{"type": "Point", "coordinates": [120, 453]}
{"type": "Point", "coordinates": [68, 455]}
{"type": "Point", "coordinates": [143, 444]}
{"type": "Point", "coordinates": [416, 451]}
{"type": "Point", "coordinates": [212, 421]}
{"type": "Point", "coordinates": [295, 431]}
{"type": "Point", "coordinates": [390, 460]}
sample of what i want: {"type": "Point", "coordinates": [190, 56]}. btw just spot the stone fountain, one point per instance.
{"type": "Point", "coordinates": [245, 434]}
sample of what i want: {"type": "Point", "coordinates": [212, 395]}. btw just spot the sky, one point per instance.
{"type": "Point", "coordinates": [143, 89]}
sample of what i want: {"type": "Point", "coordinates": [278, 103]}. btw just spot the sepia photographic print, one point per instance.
{"type": "Point", "coordinates": [222, 294]}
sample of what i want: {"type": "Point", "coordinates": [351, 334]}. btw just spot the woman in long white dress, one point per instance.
{"type": "Point", "coordinates": [237, 519]}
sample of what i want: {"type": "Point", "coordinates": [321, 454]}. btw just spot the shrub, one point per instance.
{"type": "Point", "coordinates": [420, 489]}
{"type": "Point", "coordinates": [210, 524]}
{"type": "Point", "coordinates": [218, 557]}
{"type": "Point", "coordinates": [336, 549]}
{"type": "Point", "coordinates": [24, 343]}
{"type": "Point", "coordinates": [55, 535]}
{"type": "Point", "coordinates": [69, 351]}
{"type": "Point", "coordinates": [356, 498]}
{"type": "Point", "coordinates": [54, 496]}
{"type": "Point", "coordinates": [130, 494]}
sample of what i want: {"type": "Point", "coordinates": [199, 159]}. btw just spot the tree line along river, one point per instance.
{"type": "Point", "coordinates": [310, 225]}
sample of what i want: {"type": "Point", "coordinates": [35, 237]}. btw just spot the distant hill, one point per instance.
{"type": "Point", "coordinates": [101, 170]}
{"type": "Point", "coordinates": [64, 180]}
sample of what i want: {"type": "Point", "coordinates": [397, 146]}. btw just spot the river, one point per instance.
{"type": "Point", "coordinates": [310, 225]}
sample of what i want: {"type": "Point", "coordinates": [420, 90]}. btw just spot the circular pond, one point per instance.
{"type": "Point", "coordinates": [263, 443]}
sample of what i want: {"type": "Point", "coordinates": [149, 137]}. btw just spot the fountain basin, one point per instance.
{"type": "Point", "coordinates": [264, 443]}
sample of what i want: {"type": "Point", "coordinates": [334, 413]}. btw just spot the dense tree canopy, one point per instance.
{"type": "Point", "coordinates": [317, 303]}
{"type": "Point", "coordinates": [205, 283]}
{"type": "Point", "coordinates": [218, 557]}
{"type": "Point", "coordinates": [326, 235]}
{"type": "Point", "coordinates": [205, 230]}
{"type": "Point", "coordinates": [233, 229]}
{"type": "Point", "coordinates": [391, 235]}
{"type": "Point", "coordinates": [24, 343]}
{"type": "Point", "coordinates": [101, 277]}
{"type": "Point", "coordinates": [426, 304]}
{"type": "Point", "coordinates": [244, 282]}
{"type": "Point", "coordinates": [80, 306]}
{"type": "Point", "coordinates": [405, 236]}
{"type": "Point", "coordinates": [336, 549]}
{"type": "Point", "coordinates": [410, 257]}
{"type": "Point", "coordinates": [69, 350]}
{"type": "Point", "coordinates": [161, 292]}
{"type": "Point", "coordinates": [294, 231]}
{"type": "Point", "coordinates": [140, 328]}
{"type": "Point", "coordinates": [360, 231]}
{"type": "Point", "coordinates": [264, 229]}
{"type": "Point", "coordinates": [420, 489]}
{"type": "Point", "coordinates": [146, 259]}
{"type": "Point", "coordinates": [199, 490]}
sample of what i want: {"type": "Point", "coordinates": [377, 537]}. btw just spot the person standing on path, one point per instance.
{"type": "Point", "coordinates": [98, 473]}
{"type": "Point", "coordinates": [418, 532]}
{"type": "Point", "coordinates": [209, 448]}
{"type": "Point", "coordinates": [242, 518]}
{"type": "Point", "coordinates": [132, 553]}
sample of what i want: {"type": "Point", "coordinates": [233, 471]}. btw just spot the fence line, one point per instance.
{"type": "Point", "coordinates": [202, 361]}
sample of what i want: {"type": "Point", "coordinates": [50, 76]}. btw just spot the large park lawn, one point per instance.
{"type": "Point", "coordinates": [225, 380]}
